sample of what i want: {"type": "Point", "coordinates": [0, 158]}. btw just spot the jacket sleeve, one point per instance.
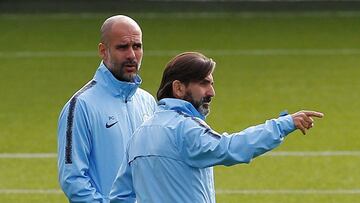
{"type": "Point", "coordinates": [122, 190]}
{"type": "Point", "coordinates": [202, 147]}
{"type": "Point", "coordinates": [74, 145]}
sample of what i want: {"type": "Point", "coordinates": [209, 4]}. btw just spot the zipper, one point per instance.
{"type": "Point", "coordinates": [128, 116]}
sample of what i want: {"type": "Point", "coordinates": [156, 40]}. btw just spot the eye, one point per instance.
{"type": "Point", "coordinates": [205, 82]}
{"type": "Point", "coordinates": [137, 46]}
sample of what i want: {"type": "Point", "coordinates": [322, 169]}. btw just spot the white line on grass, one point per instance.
{"type": "Point", "coordinates": [218, 191]}
{"type": "Point", "coordinates": [27, 155]}
{"type": "Point", "coordinates": [262, 52]}
{"type": "Point", "coordinates": [191, 15]}
{"type": "Point", "coordinates": [30, 191]}
{"type": "Point", "coordinates": [214, 52]}
{"type": "Point", "coordinates": [273, 154]}
{"type": "Point", "coordinates": [314, 153]}
{"type": "Point", "coordinates": [36, 54]}
{"type": "Point", "coordinates": [290, 192]}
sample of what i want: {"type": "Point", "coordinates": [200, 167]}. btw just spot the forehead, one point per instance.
{"type": "Point", "coordinates": [125, 33]}
{"type": "Point", "coordinates": [209, 78]}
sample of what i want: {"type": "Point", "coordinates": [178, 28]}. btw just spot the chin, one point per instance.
{"type": "Point", "coordinates": [132, 77]}
{"type": "Point", "coordinates": [204, 111]}
{"type": "Point", "coordinates": [129, 77]}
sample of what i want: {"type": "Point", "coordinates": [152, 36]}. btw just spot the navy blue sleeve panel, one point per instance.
{"type": "Point", "coordinates": [74, 144]}
{"type": "Point", "coordinates": [70, 121]}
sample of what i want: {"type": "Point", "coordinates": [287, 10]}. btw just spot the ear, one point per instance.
{"type": "Point", "coordinates": [102, 51]}
{"type": "Point", "coordinates": [178, 89]}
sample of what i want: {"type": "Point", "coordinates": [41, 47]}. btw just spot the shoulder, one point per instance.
{"type": "Point", "coordinates": [84, 96]}
{"type": "Point", "coordinates": [142, 93]}
{"type": "Point", "coordinates": [190, 120]}
{"type": "Point", "coordinates": [175, 120]}
{"type": "Point", "coordinates": [194, 125]}
{"type": "Point", "coordinates": [86, 91]}
{"type": "Point", "coordinates": [145, 97]}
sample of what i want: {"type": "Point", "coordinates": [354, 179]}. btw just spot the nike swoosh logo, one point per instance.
{"type": "Point", "coordinates": [110, 125]}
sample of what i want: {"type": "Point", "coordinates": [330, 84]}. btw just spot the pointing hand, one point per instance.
{"type": "Point", "coordinates": [303, 119]}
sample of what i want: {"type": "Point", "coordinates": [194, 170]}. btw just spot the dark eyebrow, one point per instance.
{"type": "Point", "coordinates": [206, 81]}
{"type": "Point", "coordinates": [121, 45]}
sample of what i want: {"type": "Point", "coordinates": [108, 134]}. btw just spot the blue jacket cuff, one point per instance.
{"type": "Point", "coordinates": [286, 125]}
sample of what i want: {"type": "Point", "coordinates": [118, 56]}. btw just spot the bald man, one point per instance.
{"type": "Point", "coordinates": [97, 122]}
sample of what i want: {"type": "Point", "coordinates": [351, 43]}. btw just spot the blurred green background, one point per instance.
{"type": "Point", "coordinates": [266, 63]}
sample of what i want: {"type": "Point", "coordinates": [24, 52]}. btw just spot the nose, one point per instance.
{"type": "Point", "coordinates": [211, 91]}
{"type": "Point", "coordinates": [130, 54]}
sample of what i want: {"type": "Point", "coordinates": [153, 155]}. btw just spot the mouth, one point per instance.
{"type": "Point", "coordinates": [130, 68]}
{"type": "Point", "coordinates": [206, 105]}
{"type": "Point", "coordinates": [206, 102]}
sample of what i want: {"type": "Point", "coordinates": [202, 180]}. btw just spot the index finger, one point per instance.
{"type": "Point", "coordinates": [314, 114]}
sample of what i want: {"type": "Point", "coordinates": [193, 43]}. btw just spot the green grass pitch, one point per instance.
{"type": "Point", "coordinates": [265, 63]}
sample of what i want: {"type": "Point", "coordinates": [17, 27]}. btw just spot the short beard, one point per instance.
{"type": "Point", "coordinates": [119, 71]}
{"type": "Point", "coordinates": [199, 105]}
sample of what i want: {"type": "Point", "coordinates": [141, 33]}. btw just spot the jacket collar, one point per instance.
{"type": "Point", "coordinates": [116, 87]}
{"type": "Point", "coordinates": [180, 105]}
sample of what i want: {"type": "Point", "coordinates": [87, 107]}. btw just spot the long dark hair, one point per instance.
{"type": "Point", "coordinates": [186, 67]}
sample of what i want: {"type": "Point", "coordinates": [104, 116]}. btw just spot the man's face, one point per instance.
{"type": "Point", "coordinates": [199, 94]}
{"type": "Point", "coordinates": [123, 52]}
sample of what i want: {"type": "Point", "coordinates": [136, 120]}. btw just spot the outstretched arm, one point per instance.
{"type": "Point", "coordinates": [203, 147]}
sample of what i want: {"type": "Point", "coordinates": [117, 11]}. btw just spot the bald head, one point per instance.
{"type": "Point", "coordinates": [118, 21]}
{"type": "Point", "coordinates": [120, 47]}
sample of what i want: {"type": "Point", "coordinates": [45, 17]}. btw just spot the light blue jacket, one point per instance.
{"type": "Point", "coordinates": [171, 155]}
{"type": "Point", "coordinates": [93, 131]}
